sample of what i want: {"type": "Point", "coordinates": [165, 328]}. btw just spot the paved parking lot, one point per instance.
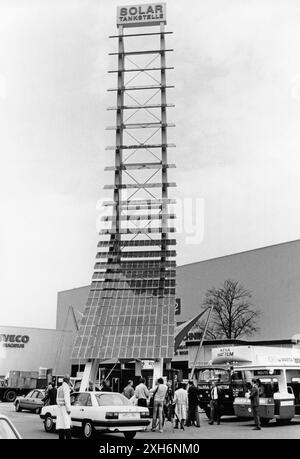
{"type": "Point", "coordinates": [30, 426]}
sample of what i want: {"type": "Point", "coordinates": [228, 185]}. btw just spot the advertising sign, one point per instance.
{"type": "Point", "coordinates": [256, 355]}
{"type": "Point", "coordinates": [178, 307]}
{"type": "Point", "coordinates": [148, 364]}
{"type": "Point", "coordinates": [146, 14]}
{"type": "Point", "coordinates": [236, 354]}
{"type": "Point", "coordinates": [19, 341]}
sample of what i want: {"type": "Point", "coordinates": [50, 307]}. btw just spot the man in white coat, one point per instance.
{"type": "Point", "coordinates": [63, 412]}
{"type": "Point", "coordinates": [181, 404]}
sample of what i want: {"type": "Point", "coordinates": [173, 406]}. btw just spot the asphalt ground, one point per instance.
{"type": "Point", "coordinates": [30, 426]}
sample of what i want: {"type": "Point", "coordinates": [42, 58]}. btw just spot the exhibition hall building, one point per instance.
{"type": "Point", "coordinates": [272, 274]}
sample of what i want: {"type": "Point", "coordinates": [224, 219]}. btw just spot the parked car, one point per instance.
{"type": "Point", "coordinates": [7, 429]}
{"type": "Point", "coordinates": [31, 402]}
{"type": "Point", "coordinates": [100, 411]}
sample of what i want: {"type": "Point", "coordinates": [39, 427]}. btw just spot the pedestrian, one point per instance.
{"type": "Point", "coordinates": [181, 403]}
{"type": "Point", "coordinates": [159, 395]}
{"type": "Point", "coordinates": [169, 400]}
{"type": "Point", "coordinates": [105, 386]}
{"type": "Point", "coordinates": [50, 397]}
{"type": "Point", "coordinates": [63, 414]}
{"type": "Point", "coordinates": [193, 403]}
{"type": "Point", "coordinates": [90, 387]}
{"type": "Point", "coordinates": [141, 393]}
{"type": "Point", "coordinates": [129, 390]}
{"type": "Point", "coordinates": [254, 397]}
{"type": "Point", "coordinates": [261, 388]}
{"type": "Point", "coordinates": [215, 403]}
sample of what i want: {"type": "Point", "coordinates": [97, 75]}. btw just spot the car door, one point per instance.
{"type": "Point", "coordinates": [26, 401]}
{"type": "Point", "coordinates": [39, 399]}
{"type": "Point", "coordinates": [33, 401]}
{"type": "Point", "coordinates": [79, 403]}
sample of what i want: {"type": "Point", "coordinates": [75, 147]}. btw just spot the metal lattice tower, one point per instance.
{"type": "Point", "coordinates": [130, 308]}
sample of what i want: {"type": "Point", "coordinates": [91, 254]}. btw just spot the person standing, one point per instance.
{"type": "Point", "coordinates": [215, 403]}
{"type": "Point", "coordinates": [254, 397]}
{"type": "Point", "coordinates": [90, 387]}
{"type": "Point", "coordinates": [159, 395]}
{"type": "Point", "coordinates": [50, 397]}
{"type": "Point", "coordinates": [181, 403]}
{"type": "Point", "coordinates": [168, 406]}
{"type": "Point", "coordinates": [129, 390]}
{"type": "Point", "coordinates": [261, 388]}
{"type": "Point", "coordinates": [193, 402]}
{"type": "Point", "coordinates": [141, 393]}
{"type": "Point", "coordinates": [63, 414]}
{"type": "Point", "coordinates": [105, 386]}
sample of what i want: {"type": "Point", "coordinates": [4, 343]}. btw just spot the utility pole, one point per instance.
{"type": "Point", "coordinates": [201, 342]}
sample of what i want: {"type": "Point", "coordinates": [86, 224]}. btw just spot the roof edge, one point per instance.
{"type": "Point", "coordinates": [240, 253]}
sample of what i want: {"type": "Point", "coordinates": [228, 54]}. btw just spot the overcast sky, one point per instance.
{"type": "Point", "coordinates": [237, 115]}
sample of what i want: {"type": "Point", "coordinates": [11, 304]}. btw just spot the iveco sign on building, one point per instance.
{"type": "Point", "coordinates": [8, 340]}
{"type": "Point", "coordinates": [28, 349]}
{"type": "Point", "coordinates": [139, 15]}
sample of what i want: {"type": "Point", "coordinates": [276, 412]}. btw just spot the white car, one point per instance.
{"type": "Point", "coordinates": [7, 429]}
{"type": "Point", "coordinates": [100, 411]}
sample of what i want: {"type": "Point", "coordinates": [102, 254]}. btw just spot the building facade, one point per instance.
{"type": "Point", "coordinates": [28, 349]}
{"type": "Point", "coordinates": [272, 274]}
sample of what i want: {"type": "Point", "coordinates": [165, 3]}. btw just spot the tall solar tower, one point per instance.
{"type": "Point", "coordinates": [129, 313]}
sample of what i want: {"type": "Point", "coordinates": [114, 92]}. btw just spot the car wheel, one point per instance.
{"type": "Point", "coordinates": [129, 435]}
{"type": "Point", "coordinates": [17, 407]}
{"type": "Point", "coordinates": [10, 396]}
{"type": "Point", "coordinates": [48, 423]}
{"type": "Point", "coordinates": [88, 430]}
{"type": "Point", "coordinates": [37, 410]}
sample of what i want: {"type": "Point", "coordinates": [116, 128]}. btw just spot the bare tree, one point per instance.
{"type": "Point", "coordinates": [233, 315]}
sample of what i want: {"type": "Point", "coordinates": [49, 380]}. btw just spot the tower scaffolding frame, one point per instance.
{"type": "Point", "coordinates": [130, 309]}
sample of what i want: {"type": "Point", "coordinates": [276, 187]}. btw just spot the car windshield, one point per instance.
{"type": "Point", "coordinates": [112, 400]}
{"type": "Point", "coordinates": [216, 374]}
{"type": "Point", "coordinates": [6, 432]}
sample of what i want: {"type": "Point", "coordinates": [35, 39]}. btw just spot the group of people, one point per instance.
{"type": "Point", "coordinates": [181, 406]}
{"type": "Point", "coordinates": [158, 397]}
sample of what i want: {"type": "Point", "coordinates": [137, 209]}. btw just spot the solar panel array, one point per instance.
{"type": "Point", "coordinates": [130, 309]}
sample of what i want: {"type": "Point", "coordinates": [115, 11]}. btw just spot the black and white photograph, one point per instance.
{"type": "Point", "coordinates": [150, 225]}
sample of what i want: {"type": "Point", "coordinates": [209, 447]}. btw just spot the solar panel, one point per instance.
{"type": "Point", "coordinates": [140, 146]}
{"type": "Point", "coordinates": [138, 217]}
{"type": "Point", "coordinates": [146, 230]}
{"type": "Point", "coordinates": [136, 243]}
{"type": "Point", "coordinates": [138, 274]}
{"type": "Point", "coordinates": [139, 254]}
{"type": "Point", "coordinates": [133, 284]}
{"type": "Point", "coordinates": [140, 202]}
{"type": "Point", "coordinates": [137, 185]}
{"type": "Point", "coordinates": [140, 264]}
{"type": "Point", "coordinates": [134, 166]}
